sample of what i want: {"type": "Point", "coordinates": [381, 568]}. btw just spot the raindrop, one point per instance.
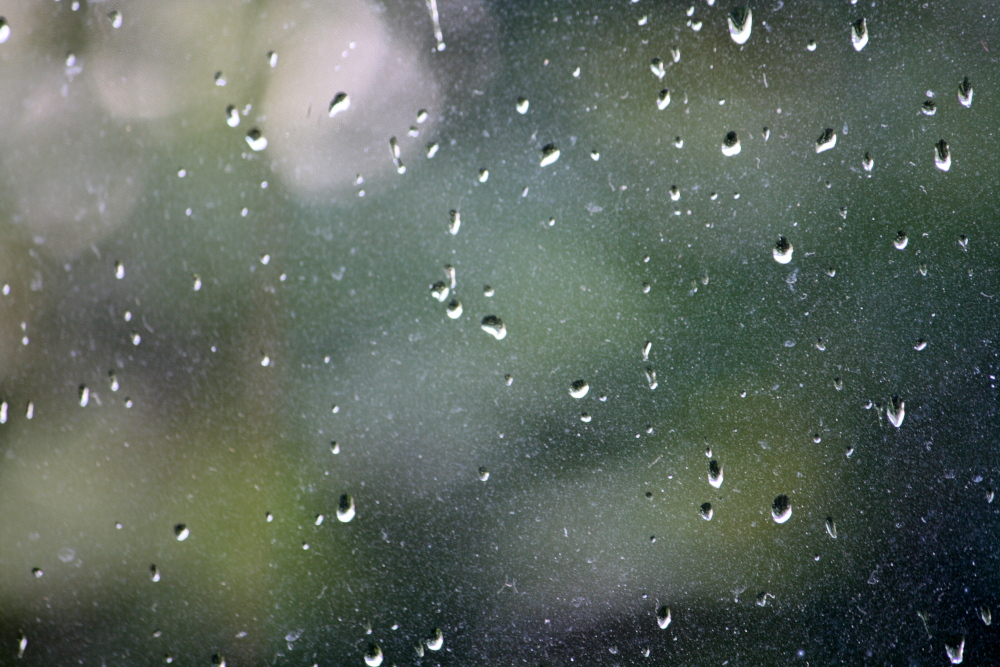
{"type": "Point", "coordinates": [268, 517]}
{"type": "Point", "coordinates": [820, 345]}
{"type": "Point", "coordinates": [345, 508]}
{"type": "Point", "coordinates": [182, 532]}
{"type": "Point", "coordinates": [651, 379]}
{"type": "Point", "coordinates": [663, 99]}
{"type": "Point", "coordinates": [895, 411]}
{"type": "Point", "coordinates": [116, 19]}
{"type": "Point", "coordinates": [484, 474]}
{"type": "Point", "coordinates": [678, 142]}
{"type": "Point", "coordinates": [964, 92]}
{"type": "Point", "coordinates": [508, 379]}
{"type": "Point", "coordinates": [550, 153]}
{"type": "Point", "coordinates": [811, 45]}
{"type": "Point", "coordinates": [265, 360]}
{"type": "Point", "coordinates": [838, 383]}
{"type": "Point", "coordinates": [942, 155]}
{"type": "Point", "coordinates": [197, 283]}
{"type": "Point", "coordinates": [29, 412]}
{"type": "Point", "coordinates": [922, 268]}
{"type": "Point", "coordinates": [454, 222]}
{"type": "Point", "coordinates": [218, 660]}
{"type": "Point", "coordinates": [645, 350]}
{"type": "Point", "coordinates": [340, 102]}
{"type": "Point", "coordinates": [484, 175]}
{"type": "Point", "coordinates": [432, 150]}
{"type": "Point", "coordinates": [595, 155]}
{"type": "Point", "coordinates": [675, 54]}
{"type": "Point", "coordinates": [422, 115]}
{"type": "Point", "coordinates": [831, 527]}
{"type": "Point", "coordinates": [272, 59]}
{"type": "Point", "coordinates": [4, 30]}
{"type": "Point", "coordinates": [220, 79]}
{"type": "Point", "coordinates": [985, 615]}
{"type": "Point", "coordinates": [579, 388]}
{"type": "Point", "coordinates": [706, 511]}
{"type": "Point", "coordinates": [373, 657]}
{"type": "Point", "coordinates": [439, 290]}
{"type": "Point", "coordinates": [868, 163]}
{"type": "Point", "coordinates": [3, 412]}
{"type": "Point", "coordinates": [488, 291]}
{"type": "Point", "coordinates": [84, 395]}
{"type": "Point", "coordinates": [154, 573]}
{"type": "Point", "coordinates": [256, 140]}
{"type": "Point", "coordinates": [119, 270]}
{"type": "Point", "coordinates": [826, 141]}
{"type": "Point", "coordinates": [334, 447]}
{"type": "Point", "coordinates": [436, 640]}
{"type": "Point", "coordinates": [663, 617]}
{"type": "Point", "coordinates": [731, 144]}
{"type": "Point", "coordinates": [494, 326]}
{"type": "Point", "coordinates": [232, 116]}
{"type": "Point", "coordinates": [782, 251]}
{"type": "Point", "coordinates": [920, 345]}
{"type": "Point", "coordinates": [22, 643]}
{"type": "Point", "coordinates": [740, 24]}
{"type": "Point", "coordinates": [318, 521]}
{"type": "Point", "coordinates": [522, 105]}
{"type": "Point", "coordinates": [658, 69]}
{"type": "Point", "coordinates": [781, 509]}
{"type": "Point", "coordinates": [954, 648]}
{"type": "Point", "coordinates": [963, 242]}
{"type": "Point", "coordinates": [901, 240]}
{"type": "Point", "coordinates": [454, 310]}
{"type": "Point", "coordinates": [715, 473]}
{"type": "Point", "coordinates": [929, 107]}
{"type": "Point", "coordinates": [859, 34]}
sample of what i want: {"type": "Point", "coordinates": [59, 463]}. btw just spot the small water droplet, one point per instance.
{"type": "Point", "coordinates": [22, 643]}
{"type": "Point", "coordinates": [182, 532]}
{"type": "Point", "coordinates": [345, 508]}
{"type": "Point", "coordinates": [675, 54]}
{"type": "Point", "coordinates": [782, 251]}
{"type": "Point", "coordinates": [432, 150]}
{"type": "Point", "coordinates": [37, 573]}
{"type": "Point", "coordinates": [550, 153]}
{"type": "Point", "coordinates": [831, 527]}
{"type": "Point", "coordinates": [929, 107]}
{"type": "Point", "coordinates": [781, 509]}
{"type": "Point", "coordinates": [3, 412]}
{"type": "Point", "coordinates": [84, 395]}
{"type": "Point", "coordinates": [706, 511]}
{"type": "Point", "coordinates": [646, 349]}
{"type": "Point", "coordinates": [678, 142]}
{"type": "Point", "coordinates": [373, 656]}
{"type": "Point", "coordinates": [740, 24]}
{"type": "Point", "coordinates": [488, 291]}
{"type": "Point", "coordinates": [334, 447]}
{"type": "Point", "coordinates": [494, 326]}
{"type": "Point", "coordinates": [811, 45]}
{"type": "Point", "coordinates": [895, 411]}
{"type": "Point", "coordinates": [827, 140]}
{"type": "Point", "coordinates": [954, 648]}
{"type": "Point", "coordinates": [658, 69]}
{"type": "Point", "coordinates": [651, 379]}
{"type": "Point", "coordinates": [29, 411]}
{"type": "Point", "coordinates": [838, 383]}
{"type": "Point", "coordinates": [115, 18]}
{"type": "Point", "coordinates": [454, 309]}
{"type": "Point", "coordinates": [232, 116]}
{"type": "Point", "coordinates": [340, 102]}
{"type": "Point", "coordinates": [920, 345]}
{"type": "Point", "coordinates": [963, 242]}
{"type": "Point", "coordinates": [731, 144]}
{"type": "Point", "coordinates": [579, 388]}
{"type": "Point", "coordinates": [154, 573]}
{"type": "Point", "coordinates": [484, 175]}
{"type": "Point", "coordinates": [436, 640]}
{"type": "Point", "coordinates": [868, 163]}
{"type": "Point", "coordinates": [964, 93]}
{"type": "Point", "coordinates": [4, 30]}
{"type": "Point", "coordinates": [715, 473]}
{"type": "Point", "coordinates": [522, 105]}
{"type": "Point", "coordinates": [985, 615]}
{"type": "Point", "coordinates": [440, 290]}
{"type": "Point", "coordinates": [663, 99]}
{"type": "Point", "coordinates": [484, 474]}
{"type": "Point", "coordinates": [922, 268]}
{"type": "Point", "coordinates": [859, 34]}
{"type": "Point", "coordinates": [663, 617]}
{"type": "Point", "coordinates": [119, 270]}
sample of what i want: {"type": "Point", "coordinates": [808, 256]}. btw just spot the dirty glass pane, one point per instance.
{"type": "Point", "coordinates": [466, 333]}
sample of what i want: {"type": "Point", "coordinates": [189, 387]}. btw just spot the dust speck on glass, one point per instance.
{"type": "Point", "coordinates": [262, 321]}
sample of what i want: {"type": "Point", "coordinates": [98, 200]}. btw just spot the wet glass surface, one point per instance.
{"type": "Point", "coordinates": [409, 333]}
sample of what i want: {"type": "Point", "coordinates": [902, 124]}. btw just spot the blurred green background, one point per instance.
{"type": "Point", "coordinates": [232, 339]}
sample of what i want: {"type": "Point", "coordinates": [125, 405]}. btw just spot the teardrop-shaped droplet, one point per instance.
{"type": "Point", "coordinates": [550, 153]}
{"type": "Point", "coordinates": [965, 93]}
{"type": "Point", "coordinates": [942, 155]}
{"type": "Point", "coordinates": [663, 617]}
{"type": "Point", "coordinates": [345, 508]}
{"type": "Point", "coordinates": [781, 509]}
{"type": "Point", "coordinates": [436, 640]}
{"type": "Point", "coordinates": [373, 656]}
{"type": "Point", "coordinates": [706, 511]}
{"type": "Point", "coordinates": [831, 527]}
{"type": "Point", "coordinates": [740, 24]}
{"type": "Point", "coordinates": [827, 140]}
{"type": "Point", "coordinates": [782, 251]}
{"type": "Point", "coordinates": [340, 102]}
{"type": "Point", "coordinates": [663, 99]}
{"type": "Point", "coordinates": [579, 388]}
{"type": "Point", "coordinates": [859, 34]}
{"type": "Point", "coordinates": [715, 473]}
{"type": "Point", "coordinates": [896, 411]}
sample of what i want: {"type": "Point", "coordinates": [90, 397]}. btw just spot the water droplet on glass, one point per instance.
{"type": "Point", "coordinates": [782, 251]}
{"type": "Point", "coordinates": [373, 656]}
{"type": "Point", "coordinates": [811, 45]}
{"type": "Point", "coordinates": [657, 68]}
{"type": "Point", "coordinates": [922, 268]}
{"type": "Point", "coordinates": [901, 240]}
{"type": "Point", "coordinates": [663, 99]}
{"type": "Point", "coordinates": [197, 283]}
{"type": "Point", "coordinates": [454, 222]}
{"type": "Point", "coordinates": [484, 474]}
{"type": "Point", "coordinates": [439, 290]}
{"type": "Point", "coordinates": [781, 509]}
{"type": "Point", "coordinates": [579, 388]}
{"type": "Point", "coordinates": [494, 326]}
{"type": "Point", "coordinates": [740, 24]}
{"type": "Point", "coordinates": [218, 660]}
{"type": "Point", "coordinates": [663, 617]}
{"type": "Point", "coordinates": [920, 345]}
{"type": "Point", "coordinates": [826, 141]}
{"type": "Point", "coordinates": [706, 511]}
{"type": "Point", "coordinates": [675, 54]}
{"type": "Point", "coordinates": [963, 242]}
{"type": "Point", "coordinates": [154, 573]}
{"type": "Point", "coordinates": [731, 144]}
{"type": "Point", "coordinates": [942, 155]}
{"type": "Point", "coordinates": [965, 93]}
{"type": "Point", "coordinates": [432, 150]}
{"type": "Point", "coordinates": [929, 107]}
{"type": "Point", "coordinates": [831, 527]}
{"type": "Point", "coordinates": [345, 508]}
{"type": "Point", "coordinates": [265, 360]}
{"type": "Point", "coordinates": [576, 73]}
{"type": "Point", "coordinates": [484, 175]}
{"type": "Point", "coordinates": [182, 532]}
{"type": "Point", "coordinates": [488, 291]}
{"type": "Point", "coordinates": [838, 383]}
{"type": "Point", "coordinates": [859, 34]}
{"type": "Point", "coordinates": [219, 78]}
{"type": "Point", "coordinates": [422, 115]}
{"type": "Point", "coordinates": [268, 517]}
{"type": "Point", "coordinates": [985, 615]}
{"type": "Point", "coordinates": [115, 18]}
{"type": "Point", "coordinates": [436, 640]}
{"type": "Point", "coordinates": [340, 102]}
{"type": "Point", "coordinates": [119, 270]}
{"type": "Point", "coordinates": [522, 105]}
{"type": "Point", "coordinates": [232, 116]}
{"type": "Point", "coordinates": [22, 643]}
{"type": "Point", "coordinates": [715, 473]}
{"type": "Point", "coordinates": [4, 30]}
{"type": "Point", "coordinates": [84, 395]}
{"type": "Point", "coordinates": [895, 411]}
{"type": "Point", "coordinates": [3, 412]}
{"type": "Point", "coordinates": [29, 411]}
{"type": "Point", "coordinates": [256, 140]}
{"type": "Point", "coordinates": [37, 573]}
{"type": "Point", "coordinates": [334, 447]}
{"type": "Point", "coordinates": [954, 648]}
{"type": "Point", "coordinates": [454, 309]}
{"type": "Point", "coordinates": [550, 153]}
{"type": "Point", "coordinates": [651, 379]}
{"type": "Point", "coordinates": [868, 163]}
{"type": "Point", "coordinates": [678, 142]}
{"type": "Point", "coordinates": [646, 349]}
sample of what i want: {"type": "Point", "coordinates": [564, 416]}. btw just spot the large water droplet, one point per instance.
{"type": "Point", "coordinates": [579, 388]}
{"type": "Point", "coordinates": [436, 640]}
{"type": "Point", "coordinates": [115, 18]}
{"type": "Point", "coordinates": [550, 153]}
{"type": "Point", "coordinates": [454, 309]}
{"type": "Point", "coordinates": [663, 99]}
{"type": "Point", "coordinates": [826, 141]}
{"type": "Point", "coordinates": [740, 24]}
{"type": "Point", "coordinates": [715, 473]}
{"type": "Point", "coordinates": [781, 509]}
{"type": "Point", "coordinates": [345, 508]}
{"type": "Point", "coordinates": [494, 326]}
{"type": "Point", "coordinates": [782, 251]}
{"type": "Point", "coordinates": [663, 617]}
{"type": "Point", "coordinates": [901, 240]}
{"type": "Point", "coordinates": [929, 107]}
{"type": "Point", "coordinates": [859, 34]}
{"type": "Point", "coordinates": [373, 656]}
{"type": "Point", "coordinates": [965, 93]}
{"type": "Point", "coordinates": [731, 144]}
{"type": "Point", "coordinates": [942, 155]}
{"type": "Point", "coordinates": [895, 411]}
{"type": "Point", "coordinates": [340, 102]}
{"type": "Point", "coordinates": [256, 140]}
{"type": "Point", "coordinates": [954, 648]}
